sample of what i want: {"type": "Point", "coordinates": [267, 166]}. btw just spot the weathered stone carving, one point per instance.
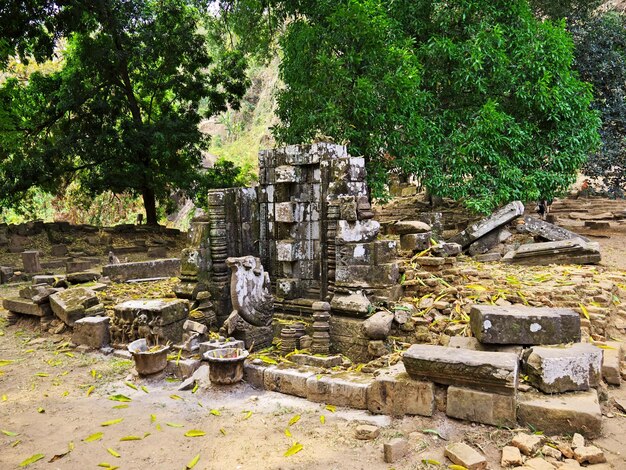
{"type": "Point", "coordinates": [253, 304]}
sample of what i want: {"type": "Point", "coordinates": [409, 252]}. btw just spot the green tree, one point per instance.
{"type": "Point", "coordinates": [123, 112]}
{"type": "Point", "coordinates": [475, 97]}
{"type": "Point", "coordinates": [601, 60]}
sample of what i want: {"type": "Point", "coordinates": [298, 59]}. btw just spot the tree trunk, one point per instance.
{"type": "Point", "coordinates": [149, 203]}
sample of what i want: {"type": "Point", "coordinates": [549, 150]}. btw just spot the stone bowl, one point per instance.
{"type": "Point", "coordinates": [146, 361]}
{"type": "Point", "coordinates": [226, 365]}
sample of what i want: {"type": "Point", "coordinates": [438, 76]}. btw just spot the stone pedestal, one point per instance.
{"type": "Point", "coordinates": [321, 328]}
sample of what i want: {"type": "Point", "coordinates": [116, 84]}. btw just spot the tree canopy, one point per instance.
{"type": "Point", "coordinates": [123, 111]}
{"type": "Point", "coordinates": [601, 60]}
{"type": "Point", "coordinates": [476, 97]}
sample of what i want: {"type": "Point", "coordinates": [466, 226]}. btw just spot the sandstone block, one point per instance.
{"type": "Point", "coordinates": [469, 342]}
{"type": "Point", "coordinates": [395, 449]}
{"type": "Point", "coordinates": [481, 407]}
{"type": "Point", "coordinates": [415, 241]}
{"type": "Point", "coordinates": [489, 371]}
{"type": "Point", "coordinates": [394, 393]}
{"type": "Point", "coordinates": [563, 369]}
{"type": "Point", "coordinates": [546, 230]}
{"type": "Point", "coordinates": [91, 331]}
{"type": "Point", "coordinates": [378, 326]}
{"type": "Point", "coordinates": [611, 363]}
{"type": "Point", "coordinates": [355, 304]}
{"type": "Point", "coordinates": [462, 454]}
{"type": "Point", "coordinates": [351, 391]}
{"type": "Point", "coordinates": [524, 325]}
{"type": "Point", "coordinates": [488, 224]}
{"type": "Point", "coordinates": [30, 260]}
{"type": "Point", "coordinates": [538, 464]}
{"type": "Point", "coordinates": [511, 457]}
{"type": "Point", "coordinates": [590, 455]}
{"type": "Point", "coordinates": [183, 368]}
{"type": "Point", "coordinates": [366, 432]}
{"type": "Point", "coordinates": [404, 227]}
{"type": "Point", "coordinates": [360, 231]}
{"type": "Point", "coordinates": [561, 414]}
{"type": "Point", "coordinates": [25, 307]}
{"type": "Point", "coordinates": [71, 304]}
{"type": "Point", "coordinates": [287, 381]}
{"type": "Point", "coordinates": [122, 272]}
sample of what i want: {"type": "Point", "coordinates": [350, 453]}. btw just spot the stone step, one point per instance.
{"type": "Point", "coordinates": [515, 324]}
{"type": "Point", "coordinates": [565, 413]}
{"type": "Point", "coordinates": [488, 371]}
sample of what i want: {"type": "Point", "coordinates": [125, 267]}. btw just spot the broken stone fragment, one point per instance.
{"type": "Point", "coordinates": [488, 224]}
{"type": "Point", "coordinates": [612, 354]}
{"type": "Point", "coordinates": [538, 464]}
{"type": "Point", "coordinates": [481, 407]}
{"type": "Point", "coordinates": [404, 227]}
{"type": "Point", "coordinates": [563, 369]}
{"type": "Point", "coordinates": [551, 452]}
{"type": "Point", "coordinates": [378, 326]}
{"type": "Point", "coordinates": [511, 457]}
{"type": "Point", "coordinates": [546, 230]}
{"type": "Point", "coordinates": [590, 455]}
{"type": "Point", "coordinates": [462, 454]}
{"type": "Point", "coordinates": [366, 432]}
{"type": "Point", "coordinates": [395, 449]}
{"type": "Point", "coordinates": [92, 332]}
{"type": "Point", "coordinates": [528, 444]}
{"type": "Point", "coordinates": [577, 441]}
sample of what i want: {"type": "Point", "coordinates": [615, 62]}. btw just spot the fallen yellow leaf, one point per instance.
{"type": "Point", "coordinates": [94, 437]}
{"type": "Point", "coordinates": [112, 421]}
{"type": "Point", "coordinates": [113, 453]}
{"type": "Point", "coordinates": [195, 433]}
{"type": "Point", "coordinates": [192, 463]}
{"type": "Point", "coordinates": [294, 449]}
{"type": "Point", "coordinates": [294, 420]}
{"type": "Point", "coordinates": [31, 459]}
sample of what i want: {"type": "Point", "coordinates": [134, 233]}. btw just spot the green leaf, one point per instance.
{"type": "Point", "coordinates": [8, 433]}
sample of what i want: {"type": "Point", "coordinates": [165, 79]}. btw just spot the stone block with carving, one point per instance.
{"type": "Point", "coordinates": [253, 304]}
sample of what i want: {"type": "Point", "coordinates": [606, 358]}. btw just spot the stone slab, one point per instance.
{"type": "Point", "coordinates": [26, 307]}
{"type": "Point", "coordinates": [483, 227]}
{"type": "Point", "coordinates": [163, 311]}
{"type": "Point", "coordinates": [563, 369]}
{"type": "Point", "coordinates": [575, 251]}
{"type": "Point", "coordinates": [344, 390]}
{"type": "Point", "coordinates": [464, 455]}
{"type": "Point", "coordinates": [286, 380]}
{"type": "Point", "coordinates": [483, 370]}
{"type": "Point", "coordinates": [546, 230]}
{"type": "Point", "coordinates": [524, 325]}
{"type": "Point", "coordinates": [122, 272]}
{"type": "Point", "coordinates": [489, 241]}
{"type": "Point", "coordinates": [481, 407]}
{"type": "Point", "coordinates": [563, 413]}
{"type": "Point", "coordinates": [394, 393]}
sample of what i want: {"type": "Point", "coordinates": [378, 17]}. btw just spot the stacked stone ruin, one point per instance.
{"type": "Point", "coordinates": [310, 223]}
{"type": "Point", "coordinates": [482, 374]}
